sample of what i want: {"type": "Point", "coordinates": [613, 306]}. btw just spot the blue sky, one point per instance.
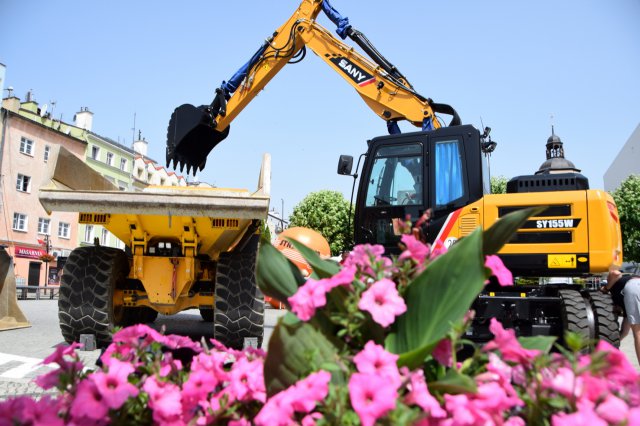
{"type": "Point", "coordinates": [513, 64]}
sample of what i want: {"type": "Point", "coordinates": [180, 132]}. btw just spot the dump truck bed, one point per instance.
{"type": "Point", "coordinates": [218, 217]}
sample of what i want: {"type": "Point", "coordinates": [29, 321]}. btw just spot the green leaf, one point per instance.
{"type": "Point", "coordinates": [438, 298]}
{"type": "Point", "coordinates": [541, 343]}
{"type": "Point", "coordinates": [296, 349]}
{"type": "Point", "coordinates": [322, 268]}
{"type": "Point", "coordinates": [502, 231]}
{"type": "Point", "coordinates": [454, 382]}
{"type": "Point", "coordinates": [277, 277]}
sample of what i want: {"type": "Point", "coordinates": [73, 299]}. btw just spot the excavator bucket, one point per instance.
{"type": "Point", "coordinates": [10, 314]}
{"type": "Point", "coordinates": [191, 136]}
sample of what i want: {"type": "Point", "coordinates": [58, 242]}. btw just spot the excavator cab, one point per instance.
{"type": "Point", "coordinates": [406, 174]}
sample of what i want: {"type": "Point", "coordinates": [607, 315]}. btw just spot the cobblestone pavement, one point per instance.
{"type": "Point", "coordinates": [22, 350]}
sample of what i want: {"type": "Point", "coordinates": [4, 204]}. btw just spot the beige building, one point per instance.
{"type": "Point", "coordinates": [27, 136]}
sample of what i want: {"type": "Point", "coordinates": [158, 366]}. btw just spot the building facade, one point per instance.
{"type": "Point", "coordinates": [26, 229]}
{"type": "Point", "coordinates": [626, 163]}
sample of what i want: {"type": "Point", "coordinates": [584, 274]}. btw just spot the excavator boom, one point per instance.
{"type": "Point", "coordinates": [194, 131]}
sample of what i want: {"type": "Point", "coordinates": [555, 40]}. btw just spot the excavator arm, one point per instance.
{"type": "Point", "coordinates": [194, 131]}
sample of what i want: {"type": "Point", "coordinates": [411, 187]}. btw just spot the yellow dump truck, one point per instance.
{"type": "Point", "coordinates": [185, 248]}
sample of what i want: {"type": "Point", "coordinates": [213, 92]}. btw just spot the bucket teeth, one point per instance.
{"type": "Point", "coordinates": [191, 136]}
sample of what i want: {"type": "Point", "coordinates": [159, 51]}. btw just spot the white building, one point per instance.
{"type": "Point", "coordinates": [626, 163]}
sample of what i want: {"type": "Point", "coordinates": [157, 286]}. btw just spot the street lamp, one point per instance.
{"type": "Point", "coordinates": [282, 215]}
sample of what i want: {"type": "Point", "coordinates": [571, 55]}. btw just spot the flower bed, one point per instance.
{"type": "Point", "coordinates": [369, 343]}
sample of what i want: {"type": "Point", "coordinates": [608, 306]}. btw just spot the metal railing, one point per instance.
{"type": "Point", "coordinates": [24, 292]}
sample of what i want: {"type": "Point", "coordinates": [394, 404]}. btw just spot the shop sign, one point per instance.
{"type": "Point", "coordinates": [29, 253]}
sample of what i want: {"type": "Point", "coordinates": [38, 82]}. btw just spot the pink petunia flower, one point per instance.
{"type": "Point", "coordinates": [372, 396]}
{"type": "Point", "coordinates": [164, 400]}
{"type": "Point", "coordinates": [311, 419]}
{"type": "Point", "coordinates": [613, 409]}
{"type": "Point", "coordinates": [416, 250]}
{"type": "Point", "coordinates": [383, 302]}
{"type": "Point", "coordinates": [443, 352]}
{"type": "Point", "coordinates": [197, 388]}
{"type": "Point", "coordinates": [374, 359]}
{"type": "Point", "coordinates": [308, 298]}
{"type": "Point", "coordinates": [343, 278]}
{"type": "Point", "coordinates": [277, 411]}
{"type": "Point", "coordinates": [504, 276]}
{"type": "Point", "coordinates": [88, 403]}
{"type": "Point", "coordinates": [419, 395]}
{"type": "Point", "coordinates": [364, 256]}
{"type": "Point", "coordinates": [246, 382]}
{"type": "Point", "coordinates": [564, 382]}
{"type": "Point", "coordinates": [23, 410]}
{"type": "Point", "coordinates": [585, 415]}
{"type": "Point", "coordinates": [114, 385]}
{"type": "Point", "coordinates": [506, 342]}
{"type": "Point", "coordinates": [309, 391]}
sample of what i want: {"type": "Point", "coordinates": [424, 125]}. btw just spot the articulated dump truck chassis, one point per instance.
{"type": "Point", "coordinates": [185, 248]}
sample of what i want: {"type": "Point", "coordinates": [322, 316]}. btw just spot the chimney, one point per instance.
{"type": "Point", "coordinates": [84, 119]}
{"type": "Point", "coordinates": [140, 146]}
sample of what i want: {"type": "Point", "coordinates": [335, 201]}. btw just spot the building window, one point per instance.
{"type": "Point", "coordinates": [44, 225]}
{"type": "Point", "coordinates": [105, 236]}
{"type": "Point", "coordinates": [23, 184]}
{"type": "Point", "coordinates": [162, 181]}
{"type": "Point", "coordinates": [26, 146]}
{"type": "Point", "coordinates": [20, 222]}
{"type": "Point", "coordinates": [47, 150]}
{"type": "Point", "coordinates": [95, 152]}
{"type": "Point", "coordinates": [140, 171]}
{"type": "Point", "coordinates": [64, 230]}
{"type": "Point", "coordinates": [122, 186]}
{"type": "Point", "coordinates": [123, 164]}
{"type": "Point", "coordinates": [110, 158]}
{"type": "Point", "coordinates": [88, 234]}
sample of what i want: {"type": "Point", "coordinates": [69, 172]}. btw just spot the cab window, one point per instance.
{"type": "Point", "coordinates": [396, 176]}
{"type": "Point", "coordinates": [449, 173]}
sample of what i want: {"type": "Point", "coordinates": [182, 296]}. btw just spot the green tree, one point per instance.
{"type": "Point", "coordinates": [498, 185]}
{"type": "Point", "coordinates": [328, 213]}
{"type": "Point", "coordinates": [627, 198]}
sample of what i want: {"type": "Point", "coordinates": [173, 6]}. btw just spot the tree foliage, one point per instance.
{"type": "Point", "coordinates": [627, 198]}
{"type": "Point", "coordinates": [499, 184]}
{"type": "Point", "coordinates": [328, 213]}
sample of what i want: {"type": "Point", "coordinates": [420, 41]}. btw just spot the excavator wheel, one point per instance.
{"type": "Point", "coordinates": [238, 304]}
{"type": "Point", "coordinates": [606, 321]}
{"type": "Point", "coordinates": [575, 316]}
{"type": "Point", "coordinates": [85, 305]}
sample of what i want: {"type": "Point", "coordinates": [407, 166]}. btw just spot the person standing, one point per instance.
{"type": "Point", "coordinates": [625, 293]}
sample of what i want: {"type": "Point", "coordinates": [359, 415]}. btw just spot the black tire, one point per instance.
{"type": "Point", "coordinates": [575, 315]}
{"type": "Point", "coordinates": [206, 314]}
{"type": "Point", "coordinates": [85, 305]}
{"type": "Point", "coordinates": [238, 302]}
{"type": "Point", "coordinates": [606, 321]}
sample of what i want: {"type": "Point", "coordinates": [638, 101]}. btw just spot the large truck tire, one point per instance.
{"type": "Point", "coordinates": [85, 305]}
{"type": "Point", "coordinates": [238, 302]}
{"type": "Point", "coordinates": [606, 321]}
{"type": "Point", "coordinates": [575, 315]}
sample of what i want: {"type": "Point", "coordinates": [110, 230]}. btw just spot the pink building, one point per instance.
{"type": "Point", "coordinates": [27, 135]}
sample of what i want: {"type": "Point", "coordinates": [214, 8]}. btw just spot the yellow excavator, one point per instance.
{"type": "Point", "coordinates": [442, 168]}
